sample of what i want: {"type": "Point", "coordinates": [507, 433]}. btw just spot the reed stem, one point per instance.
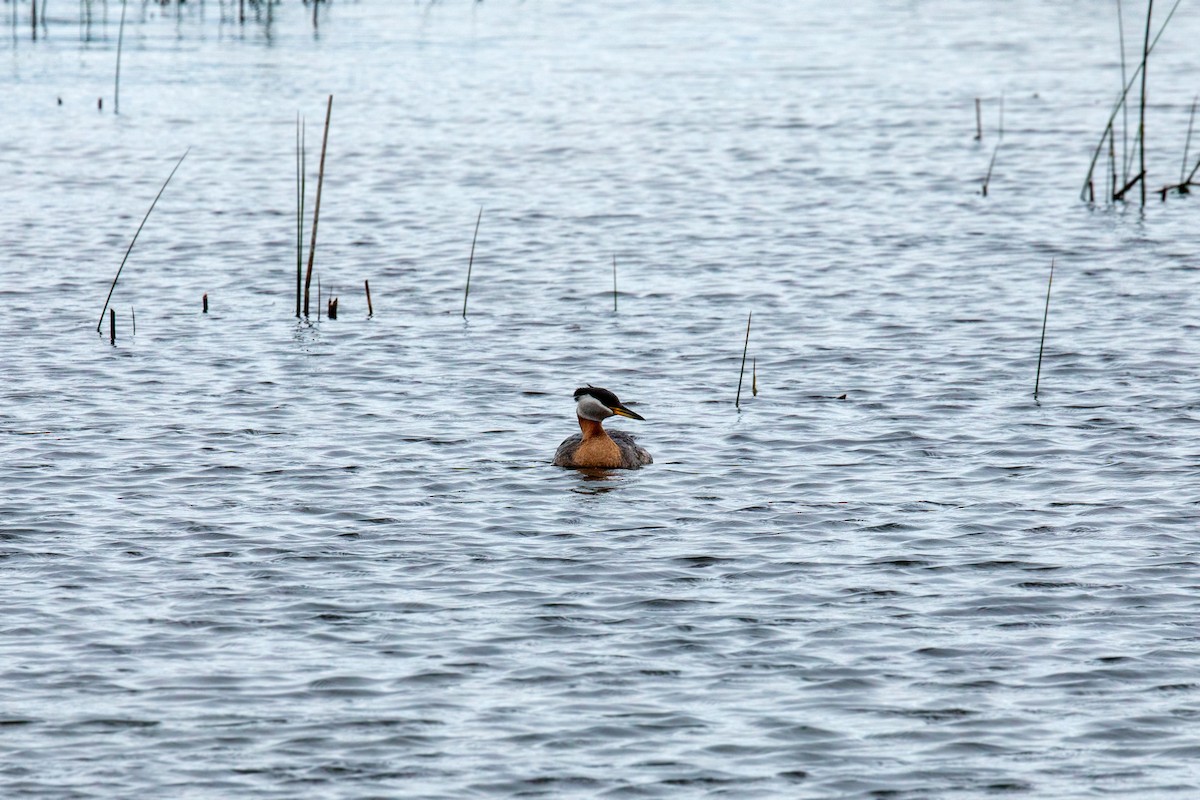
{"type": "Point", "coordinates": [1142, 111]}
{"type": "Point", "coordinates": [978, 121]}
{"type": "Point", "coordinates": [204, 303]}
{"type": "Point", "coordinates": [1124, 106]}
{"type": "Point", "coordinates": [1037, 381]}
{"type": "Point", "coordinates": [312, 247]}
{"type": "Point", "coordinates": [471, 262]}
{"type": "Point", "coordinates": [614, 283]}
{"type": "Point", "coordinates": [370, 308]}
{"type": "Point", "coordinates": [299, 213]}
{"type": "Point", "coordinates": [135, 236]}
{"type": "Point", "coordinates": [737, 403]}
{"type": "Point", "coordinates": [112, 325]}
{"type": "Point", "coordinates": [117, 79]}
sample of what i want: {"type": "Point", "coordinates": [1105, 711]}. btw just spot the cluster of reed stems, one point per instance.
{"type": "Point", "coordinates": [1121, 178]}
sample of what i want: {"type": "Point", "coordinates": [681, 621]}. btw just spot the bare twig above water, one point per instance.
{"type": "Point", "coordinates": [135, 236]}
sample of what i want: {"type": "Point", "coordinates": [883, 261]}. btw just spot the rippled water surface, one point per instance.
{"type": "Point", "coordinates": [246, 557]}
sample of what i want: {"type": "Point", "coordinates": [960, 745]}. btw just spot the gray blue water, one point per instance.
{"type": "Point", "coordinates": [242, 556]}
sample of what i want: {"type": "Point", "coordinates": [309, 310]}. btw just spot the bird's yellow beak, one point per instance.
{"type": "Point", "coordinates": [622, 411]}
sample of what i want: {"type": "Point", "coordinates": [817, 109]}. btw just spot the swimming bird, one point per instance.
{"type": "Point", "coordinates": [594, 446]}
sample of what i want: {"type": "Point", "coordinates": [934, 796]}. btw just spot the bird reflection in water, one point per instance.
{"type": "Point", "coordinates": [596, 480]}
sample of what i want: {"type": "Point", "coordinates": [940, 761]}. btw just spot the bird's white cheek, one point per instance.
{"type": "Point", "coordinates": [593, 409]}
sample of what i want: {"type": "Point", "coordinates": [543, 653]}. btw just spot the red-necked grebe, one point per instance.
{"type": "Point", "coordinates": [594, 446]}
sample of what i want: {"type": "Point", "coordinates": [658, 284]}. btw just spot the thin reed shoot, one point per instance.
{"type": "Point", "coordinates": [117, 78]}
{"type": "Point", "coordinates": [471, 262]}
{"type": "Point", "coordinates": [299, 209]}
{"type": "Point", "coordinates": [1142, 105]}
{"type": "Point", "coordinates": [312, 247]}
{"type": "Point", "coordinates": [737, 403]}
{"type": "Point", "coordinates": [987, 180]}
{"type": "Point", "coordinates": [614, 283]}
{"type": "Point", "coordinates": [1037, 381]}
{"type": "Point", "coordinates": [1187, 144]}
{"type": "Point", "coordinates": [129, 250]}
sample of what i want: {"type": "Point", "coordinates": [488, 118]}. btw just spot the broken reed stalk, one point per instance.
{"type": "Point", "coordinates": [333, 308]}
{"type": "Point", "coordinates": [978, 122]}
{"type": "Point", "coordinates": [614, 283]}
{"type": "Point", "coordinates": [1121, 102]}
{"type": "Point", "coordinates": [117, 79]}
{"type": "Point", "coordinates": [312, 247]}
{"type": "Point", "coordinates": [299, 209]}
{"type": "Point", "coordinates": [1042, 346]}
{"type": "Point", "coordinates": [470, 262]}
{"type": "Point", "coordinates": [135, 236]}
{"type": "Point", "coordinates": [204, 303]}
{"type": "Point", "coordinates": [133, 319]}
{"type": "Point", "coordinates": [1142, 111]}
{"type": "Point", "coordinates": [112, 325]}
{"type": "Point", "coordinates": [370, 308]}
{"type": "Point", "coordinates": [738, 402]}
{"type": "Point", "coordinates": [1120, 195]}
{"type": "Point", "coordinates": [754, 377]}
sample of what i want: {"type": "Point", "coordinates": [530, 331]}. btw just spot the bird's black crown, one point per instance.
{"type": "Point", "coordinates": [603, 395]}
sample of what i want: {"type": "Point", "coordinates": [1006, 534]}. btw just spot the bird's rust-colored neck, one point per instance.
{"type": "Point", "coordinates": [591, 429]}
{"type": "Point", "coordinates": [597, 449]}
